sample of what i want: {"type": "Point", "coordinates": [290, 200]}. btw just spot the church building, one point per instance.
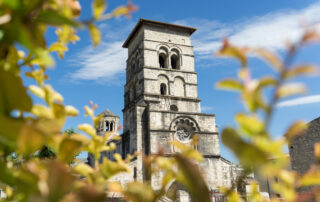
{"type": "Point", "coordinates": [161, 103]}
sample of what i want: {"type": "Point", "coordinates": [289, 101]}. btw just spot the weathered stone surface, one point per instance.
{"type": "Point", "coordinates": [301, 148]}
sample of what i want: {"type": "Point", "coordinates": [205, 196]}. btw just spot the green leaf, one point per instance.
{"type": "Point", "coordinates": [13, 95]}
{"type": "Point", "coordinates": [248, 154]}
{"type": "Point", "coordinates": [191, 177]}
{"type": "Point", "coordinates": [95, 33]}
{"type": "Point", "coordinates": [250, 124]}
{"type": "Point", "coordinates": [301, 70]}
{"type": "Point", "coordinates": [55, 18]}
{"type": "Point", "coordinates": [292, 89]}
{"type": "Point", "coordinates": [230, 84]}
{"type": "Point", "coordinates": [99, 6]}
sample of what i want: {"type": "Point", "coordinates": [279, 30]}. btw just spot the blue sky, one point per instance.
{"type": "Point", "coordinates": [97, 74]}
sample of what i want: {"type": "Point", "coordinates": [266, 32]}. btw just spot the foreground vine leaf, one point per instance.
{"type": "Point", "coordinates": [190, 176]}
{"type": "Point", "coordinates": [248, 154]}
{"type": "Point", "coordinates": [10, 86]}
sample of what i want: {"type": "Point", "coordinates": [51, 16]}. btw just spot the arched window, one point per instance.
{"type": "Point", "coordinates": [111, 126]}
{"type": "Point", "coordinates": [162, 60]}
{"type": "Point", "coordinates": [107, 126]}
{"type": "Point", "coordinates": [175, 62]}
{"type": "Point", "coordinates": [163, 89]}
{"type": "Point", "coordinates": [163, 57]}
{"type": "Point", "coordinates": [174, 108]}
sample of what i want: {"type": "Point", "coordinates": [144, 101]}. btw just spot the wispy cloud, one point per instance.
{"type": "Point", "coordinates": [107, 61]}
{"type": "Point", "coordinates": [206, 108]}
{"type": "Point", "coordinates": [270, 31]}
{"type": "Point", "coordinates": [300, 101]}
{"type": "Point", "coordinates": [103, 62]}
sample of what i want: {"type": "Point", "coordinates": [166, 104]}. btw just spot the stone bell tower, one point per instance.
{"type": "Point", "coordinates": [161, 97]}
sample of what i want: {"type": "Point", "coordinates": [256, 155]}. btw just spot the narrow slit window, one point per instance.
{"type": "Point", "coordinates": [107, 126]}
{"type": "Point", "coordinates": [111, 126]}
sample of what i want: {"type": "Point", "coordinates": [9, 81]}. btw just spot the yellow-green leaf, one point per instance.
{"type": "Point", "coordinates": [30, 139]}
{"type": "Point", "coordinates": [59, 48]}
{"type": "Point", "coordinates": [71, 111]}
{"type": "Point", "coordinates": [41, 111]}
{"type": "Point", "coordinates": [271, 58]}
{"type": "Point", "coordinates": [98, 7]}
{"type": "Point", "coordinates": [230, 84]}
{"type": "Point", "coordinates": [248, 154]}
{"type": "Point", "coordinates": [87, 128]}
{"type": "Point", "coordinates": [292, 89]}
{"type": "Point", "coordinates": [37, 91]}
{"type": "Point", "coordinates": [235, 52]}
{"type": "Point", "coordinates": [139, 192]}
{"type": "Point", "coordinates": [111, 168]}
{"type": "Point", "coordinates": [13, 95]}
{"type": "Point", "coordinates": [250, 124]}
{"type": "Point", "coordinates": [190, 176]}
{"type": "Point", "coordinates": [301, 70]}
{"type": "Point", "coordinates": [297, 128]}
{"type": "Point", "coordinates": [317, 151]}
{"type": "Point", "coordinates": [83, 169]}
{"type": "Point", "coordinates": [55, 18]}
{"type": "Point", "coordinates": [312, 177]}
{"type": "Point", "coordinates": [94, 33]}
{"type": "Point", "coordinates": [69, 148]}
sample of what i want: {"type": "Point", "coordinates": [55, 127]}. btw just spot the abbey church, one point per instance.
{"type": "Point", "coordinates": [161, 103]}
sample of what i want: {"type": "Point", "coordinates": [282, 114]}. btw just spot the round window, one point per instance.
{"type": "Point", "coordinates": [183, 134]}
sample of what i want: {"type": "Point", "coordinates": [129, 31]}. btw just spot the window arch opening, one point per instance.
{"type": "Point", "coordinates": [111, 126]}
{"type": "Point", "coordinates": [174, 62]}
{"type": "Point", "coordinates": [107, 126]}
{"type": "Point", "coordinates": [163, 89]}
{"type": "Point", "coordinates": [162, 60]}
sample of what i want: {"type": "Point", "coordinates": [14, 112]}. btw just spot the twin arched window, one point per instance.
{"type": "Point", "coordinates": [169, 59]}
{"type": "Point", "coordinates": [109, 126]}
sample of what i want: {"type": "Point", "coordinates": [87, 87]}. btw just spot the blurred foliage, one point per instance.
{"type": "Point", "coordinates": [37, 159]}
{"type": "Point", "coordinates": [257, 150]}
{"type": "Point", "coordinates": [29, 129]}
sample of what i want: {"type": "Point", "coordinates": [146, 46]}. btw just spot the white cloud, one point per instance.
{"type": "Point", "coordinates": [106, 62]}
{"type": "Point", "coordinates": [206, 108]}
{"type": "Point", "coordinates": [300, 101]}
{"type": "Point", "coordinates": [270, 31]}
{"type": "Point", "coordinates": [103, 62]}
